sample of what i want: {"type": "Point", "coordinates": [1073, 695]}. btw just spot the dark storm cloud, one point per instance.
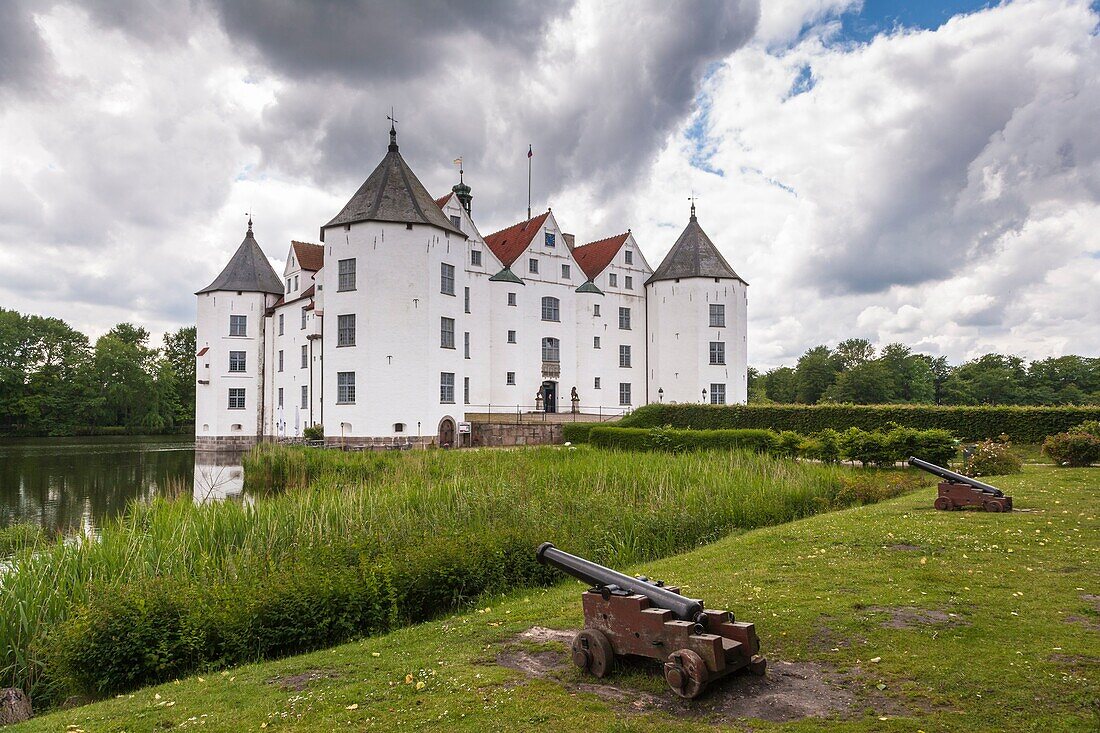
{"type": "Point", "coordinates": [23, 55]}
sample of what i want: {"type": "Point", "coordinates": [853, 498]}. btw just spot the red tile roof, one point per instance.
{"type": "Point", "coordinates": [508, 244]}
{"type": "Point", "coordinates": [595, 256]}
{"type": "Point", "coordinates": [441, 202]}
{"type": "Point", "coordinates": [203, 352]}
{"type": "Point", "coordinates": [310, 256]}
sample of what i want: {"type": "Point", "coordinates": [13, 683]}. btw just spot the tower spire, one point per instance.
{"type": "Point", "coordinates": [693, 198]}
{"type": "Point", "coordinates": [393, 131]}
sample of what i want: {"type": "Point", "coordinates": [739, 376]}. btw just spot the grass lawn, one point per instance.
{"type": "Point", "coordinates": [927, 621]}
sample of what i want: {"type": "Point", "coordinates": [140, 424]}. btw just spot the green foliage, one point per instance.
{"type": "Point", "coordinates": [1073, 448]}
{"type": "Point", "coordinates": [669, 440]}
{"type": "Point", "coordinates": [18, 536]}
{"type": "Point", "coordinates": [577, 432]}
{"type": "Point", "coordinates": [823, 446]}
{"type": "Point", "coordinates": [787, 444]}
{"type": "Point", "coordinates": [314, 432]}
{"type": "Point", "coordinates": [1092, 427]}
{"type": "Point", "coordinates": [353, 543]}
{"type": "Point", "coordinates": [991, 458]}
{"type": "Point", "coordinates": [866, 447]}
{"type": "Point", "coordinates": [1021, 424]}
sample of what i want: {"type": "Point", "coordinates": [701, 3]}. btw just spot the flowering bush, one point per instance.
{"type": "Point", "coordinates": [1079, 446]}
{"type": "Point", "coordinates": [992, 458]}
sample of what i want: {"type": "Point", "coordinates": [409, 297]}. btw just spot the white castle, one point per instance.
{"type": "Point", "coordinates": [405, 320]}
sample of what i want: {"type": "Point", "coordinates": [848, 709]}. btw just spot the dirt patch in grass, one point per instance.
{"type": "Point", "coordinates": [1093, 599]}
{"type": "Point", "coordinates": [302, 680]}
{"type": "Point", "coordinates": [902, 547]}
{"type": "Point", "coordinates": [789, 691]}
{"type": "Point", "coordinates": [1088, 623]}
{"type": "Point", "coordinates": [911, 617]}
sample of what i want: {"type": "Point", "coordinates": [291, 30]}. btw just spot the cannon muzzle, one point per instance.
{"type": "Point", "coordinates": [687, 609]}
{"type": "Point", "coordinates": [955, 478]}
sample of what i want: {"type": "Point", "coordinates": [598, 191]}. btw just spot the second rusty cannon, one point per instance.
{"type": "Point", "coordinates": [635, 616]}
{"type": "Point", "coordinates": [957, 491]}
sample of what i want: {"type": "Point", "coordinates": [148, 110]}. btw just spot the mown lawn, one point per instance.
{"type": "Point", "coordinates": [1000, 630]}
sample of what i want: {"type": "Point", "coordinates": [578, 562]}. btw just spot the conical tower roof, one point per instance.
{"type": "Point", "coordinates": [248, 270]}
{"type": "Point", "coordinates": [393, 193]}
{"type": "Point", "coordinates": [693, 255]}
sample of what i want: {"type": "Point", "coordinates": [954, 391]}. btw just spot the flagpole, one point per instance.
{"type": "Point", "coordinates": [529, 155]}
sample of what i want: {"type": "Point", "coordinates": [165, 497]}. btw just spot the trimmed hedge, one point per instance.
{"type": "Point", "coordinates": [577, 432]}
{"type": "Point", "coordinates": [1021, 424]}
{"type": "Point", "coordinates": [675, 441]}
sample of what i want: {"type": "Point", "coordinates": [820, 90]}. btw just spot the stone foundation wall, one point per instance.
{"type": "Point", "coordinates": [225, 442]}
{"type": "Point", "coordinates": [392, 442]}
{"type": "Point", "coordinates": [496, 434]}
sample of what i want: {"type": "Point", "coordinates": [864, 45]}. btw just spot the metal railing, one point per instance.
{"type": "Point", "coordinates": [521, 414]}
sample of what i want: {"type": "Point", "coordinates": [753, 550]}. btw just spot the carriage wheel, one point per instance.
{"type": "Point", "coordinates": [686, 673]}
{"type": "Point", "coordinates": [942, 503]}
{"type": "Point", "coordinates": [592, 652]}
{"type": "Point", "coordinates": [992, 506]}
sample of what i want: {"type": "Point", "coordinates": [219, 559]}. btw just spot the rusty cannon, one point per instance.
{"type": "Point", "coordinates": [957, 491]}
{"type": "Point", "coordinates": [628, 616]}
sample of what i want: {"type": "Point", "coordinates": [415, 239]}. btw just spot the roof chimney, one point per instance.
{"type": "Point", "coordinates": [569, 239]}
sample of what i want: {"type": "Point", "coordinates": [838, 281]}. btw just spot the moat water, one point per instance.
{"type": "Point", "coordinates": [71, 485]}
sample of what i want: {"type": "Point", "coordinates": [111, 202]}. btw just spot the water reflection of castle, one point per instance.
{"type": "Point", "coordinates": [218, 475]}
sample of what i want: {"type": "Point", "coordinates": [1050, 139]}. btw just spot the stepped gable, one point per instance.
{"type": "Point", "coordinates": [595, 256]}
{"type": "Point", "coordinates": [694, 255]}
{"type": "Point", "coordinates": [508, 244]}
{"type": "Point", "coordinates": [310, 256]}
{"type": "Point", "coordinates": [248, 271]}
{"type": "Point", "coordinates": [441, 202]}
{"type": "Point", "coordinates": [393, 193]}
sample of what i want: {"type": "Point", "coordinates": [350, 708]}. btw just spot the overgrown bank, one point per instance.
{"type": "Point", "coordinates": [361, 543]}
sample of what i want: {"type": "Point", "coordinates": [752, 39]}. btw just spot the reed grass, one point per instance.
{"type": "Point", "coordinates": [617, 507]}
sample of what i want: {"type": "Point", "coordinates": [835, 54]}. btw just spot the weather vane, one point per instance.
{"type": "Point", "coordinates": [693, 198]}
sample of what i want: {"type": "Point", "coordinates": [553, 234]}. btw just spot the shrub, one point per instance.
{"type": "Point", "coordinates": [788, 444]}
{"type": "Point", "coordinates": [676, 441]}
{"type": "Point", "coordinates": [1092, 427]}
{"type": "Point", "coordinates": [991, 458]}
{"type": "Point", "coordinates": [1073, 449]}
{"type": "Point", "coordinates": [935, 446]}
{"type": "Point", "coordinates": [1021, 424]}
{"type": "Point", "coordinates": [863, 488]}
{"type": "Point", "coordinates": [828, 445]}
{"type": "Point", "coordinates": [314, 432]}
{"type": "Point", "coordinates": [577, 432]}
{"type": "Point", "coordinates": [866, 447]}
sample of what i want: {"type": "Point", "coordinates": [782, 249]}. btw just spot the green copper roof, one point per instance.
{"type": "Point", "coordinates": [589, 287]}
{"type": "Point", "coordinates": [506, 276]}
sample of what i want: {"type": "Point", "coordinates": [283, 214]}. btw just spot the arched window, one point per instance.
{"type": "Point", "coordinates": [550, 309]}
{"type": "Point", "coordinates": [551, 349]}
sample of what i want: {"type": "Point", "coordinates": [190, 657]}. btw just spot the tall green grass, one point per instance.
{"type": "Point", "coordinates": [381, 510]}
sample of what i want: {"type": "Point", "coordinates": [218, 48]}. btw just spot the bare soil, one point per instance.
{"type": "Point", "coordinates": [911, 617]}
{"type": "Point", "coordinates": [789, 690]}
{"type": "Point", "coordinates": [302, 680]}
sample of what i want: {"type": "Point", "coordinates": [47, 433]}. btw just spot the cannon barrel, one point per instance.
{"type": "Point", "coordinates": [953, 477]}
{"type": "Point", "coordinates": [687, 609]}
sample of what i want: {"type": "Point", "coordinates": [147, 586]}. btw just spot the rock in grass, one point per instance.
{"type": "Point", "coordinates": [15, 706]}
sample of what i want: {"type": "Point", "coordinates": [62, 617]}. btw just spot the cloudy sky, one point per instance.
{"type": "Point", "coordinates": [925, 172]}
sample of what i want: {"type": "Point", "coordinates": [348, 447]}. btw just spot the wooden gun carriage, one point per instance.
{"type": "Point", "coordinates": [958, 491]}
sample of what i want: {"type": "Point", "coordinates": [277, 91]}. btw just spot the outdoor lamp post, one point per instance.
{"type": "Point", "coordinates": [704, 395]}
{"type": "Point", "coordinates": [660, 394]}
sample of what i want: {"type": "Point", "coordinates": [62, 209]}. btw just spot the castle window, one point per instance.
{"type": "Point", "coordinates": [281, 324]}
{"type": "Point", "coordinates": [466, 344]}
{"type": "Point", "coordinates": [624, 356]}
{"type": "Point", "coordinates": [533, 266]}
{"type": "Point", "coordinates": [565, 273]}
{"type": "Point", "coordinates": [550, 242]}
{"type": "Point", "coordinates": [511, 337]}
{"type": "Point", "coordinates": [447, 388]}
{"type": "Point", "coordinates": [466, 299]}
{"type": "Point", "coordinates": [613, 280]}
{"type": "Point", "coordinates": [305, 357]}
{"type": "Point", "coordinates": [475, 257]}
{"type": "Point", "coordinates": [446, 278]}
{"type": "Point", "coordinates": [280, 396]}
{"type": "Point", "coordinates": [295, 282]}
{"type": "Point", "coordinates": [457, 221]}
{"type": "Point", "coordinates": [628, 257]}
{"type": "Point", "coordinates": [288, 285]}
{"type": "Point", "coordinates": [718, 352]}
{"type": "Point", "coordinates": [595, 342]}
{"type": "Point", "coordinates": [446, 333]}
{"type": "Point", "coordinates": [347, 275]}
{"type": "Point", "coordinates": [550, 309]}
{"type": "Point", "coordinates": [345, 388]}
{"type": "Point", "coordinates": [624, 393]}
{"type": "Point", "coordinates": [345, 330]}
{"type": "Point", "coordinates": [717, 394]}
{"type": "Point", "coordinates": [399, 427]}
{"type": "Point", "coordinates": [238, 325]}
{"type": "Point", "coordinates": [305, 396]}
{"type": "Point", "coordinates": [629, 281]}
{"type": "Point", "coordinates": [596, 383]}
{"type": "Point", "coordinates": [511, 298]}
{"type": "Point", "coordinates": [304, 314]}
{"type": "Point", "coordinates": [236, 361]}
{"type": "Point", "coordinates": [510, 378]}
{"type": "Point", "coordinates": [466, 390]}
{"type": "Point", "coordinates": [236, 398]}
{"type": "Point", "coordinates": [624, 319]}
{"type": "Point", "coordinates": [551, 349]}
{"type": "Point", "coordinates": [717, 315]}
{"type": "Point", "coordinates": [280, 360]}
{"type": "Point", "coordinates": [595, 310]}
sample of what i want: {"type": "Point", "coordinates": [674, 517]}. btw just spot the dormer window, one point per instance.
{"type": "Point", "coordinates": [550, 239]}
{"type": "Point", "coordinates": [475, 257]}
{"type": "Point", "coordinates": [456, 221]}
{"type": "Point", "coordinates": [533, 266]}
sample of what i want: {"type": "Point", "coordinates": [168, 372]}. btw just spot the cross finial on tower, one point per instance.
{"type": "Point", "coordinates": [393, 131]}
{"type": "Point", "coordinates": [250, 219]}
{"type": "Point", "coordinates": [693, 198]}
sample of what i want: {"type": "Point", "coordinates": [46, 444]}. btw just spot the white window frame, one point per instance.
{"type": "Point", "coordinates": [346, 275]}
{"type": "Point", "coordinates": [551, 308]}
{"type": "Point", "coordinates": [345, 330]}
{"type": "Point", "coordinates": [717, 315]}
{"type": "Point", "coordinates": [446, 333]}
{"type": "Point", "coordinates": [236, 398]}
{"type": "Point", "coordinates": [446, 388]}
{"type": "Point", "coordinates": [238, 325]}
{"type": "Point", "coordinates": [345, 388]}
{"type": "Point", "coordinates": [446, 278]}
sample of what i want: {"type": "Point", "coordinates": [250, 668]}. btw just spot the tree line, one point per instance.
{"type": "Point", "coordinates": [54, 381]}
{"type": "Point", "coordinates": [856, 372]}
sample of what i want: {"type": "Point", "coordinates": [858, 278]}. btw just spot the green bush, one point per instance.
{"type": "Point", "coordinates": [823, 446]}
{"type": "Point", "coordinates": [314, 432]}
{"type": "Point", "coordinates": [788, 444]}
{"type": "Point", "coordinates": [866, 447]}
{"type": "Point", "coordinates": [1021, 424]}
{"type": "Point", "coordinates": [1073, 449]}
{"type": "Point", "coordinates": [1092, 427]}
{"type": "Point", "coordinates": [935, 446]}
{"type": "Point", "coordinates": [676, 441]}
{"type": "Point", "coordinates": [577, 432]}
{"type": "Point", "coordinates": [991, 458]}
